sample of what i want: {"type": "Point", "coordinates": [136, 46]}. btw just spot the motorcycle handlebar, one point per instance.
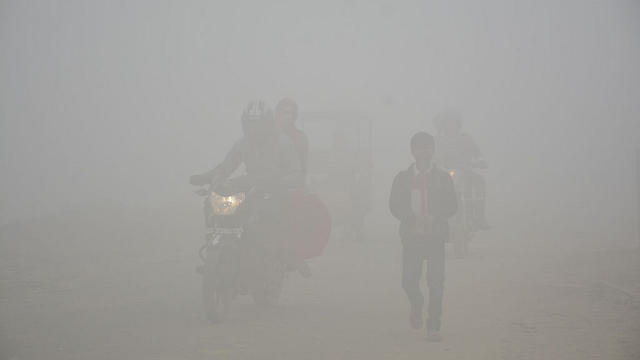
{"type": "Point", "coordinates": [242, 183]}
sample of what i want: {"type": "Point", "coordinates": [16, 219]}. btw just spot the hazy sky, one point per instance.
{"type": "Point", "coordinates": [125, 100]}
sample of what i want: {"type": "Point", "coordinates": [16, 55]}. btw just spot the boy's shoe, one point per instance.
{"type": "Point", "coordinates": [415, 319]}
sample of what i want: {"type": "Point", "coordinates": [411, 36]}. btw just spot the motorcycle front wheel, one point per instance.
{"type": "Point", "coordinates": [215, 295]}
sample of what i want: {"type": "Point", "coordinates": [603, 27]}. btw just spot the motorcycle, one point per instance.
{"type": "Point", "coordinates": [463, 224]}
{"type": "Point", "coordinates": [239, 255]}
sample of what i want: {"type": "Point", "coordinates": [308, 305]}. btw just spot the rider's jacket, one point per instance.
{"type": "Point", "coordinates": [456, 152]}
{"type": "Point", "coordinates": [273, 159]}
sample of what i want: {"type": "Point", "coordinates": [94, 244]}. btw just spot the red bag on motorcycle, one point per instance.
{"type": "Point", "coordinates": [306, 225]}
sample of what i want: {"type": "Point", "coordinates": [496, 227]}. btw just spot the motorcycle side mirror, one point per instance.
{"type": "Point", "coordinates": [202, 192]}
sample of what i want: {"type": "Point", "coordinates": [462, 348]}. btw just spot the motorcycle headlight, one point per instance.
{"type": "Point", "coordinates": [226, 205]}
{"type": "Point", "coordinates": [455, 175]}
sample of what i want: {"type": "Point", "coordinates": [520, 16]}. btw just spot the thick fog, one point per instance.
{"type": "Point", "coordinates": [123, 101]}
{"type": "Point", "coordinates": [108, 107]}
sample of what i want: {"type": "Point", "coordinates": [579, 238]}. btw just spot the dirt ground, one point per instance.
{"type": "Point", "coordinates": [115, 283]}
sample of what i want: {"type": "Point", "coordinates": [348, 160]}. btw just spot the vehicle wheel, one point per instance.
{"type": "Point", "coordinates": [214, 297]}
{"type": "Point", "coordinates": [465, 244]}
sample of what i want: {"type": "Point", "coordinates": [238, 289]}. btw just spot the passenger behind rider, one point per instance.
{"type": "Point", "coordinates": [269, 157]}
{"type": "Point", "coordinates": [457, 150]}
{"type": "Point", "coordinates": [285, 121]}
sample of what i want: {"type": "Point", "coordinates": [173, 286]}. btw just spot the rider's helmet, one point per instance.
{"type": "Point", "coordinates": [448, 121]}
{"type": "Point", "coordinates": [257, 120]}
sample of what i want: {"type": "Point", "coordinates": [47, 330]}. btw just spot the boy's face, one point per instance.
{"type": "Point", "coordinates": [423, 153]}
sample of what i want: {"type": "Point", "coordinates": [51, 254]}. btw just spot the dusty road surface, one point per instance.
{"type": "Point", "coordinates": [112, 283]}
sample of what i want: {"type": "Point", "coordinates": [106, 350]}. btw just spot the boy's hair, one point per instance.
{"type": "Point", "coordinates": [422, 139]}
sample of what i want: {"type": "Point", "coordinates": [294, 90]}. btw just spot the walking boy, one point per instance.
{"type": "Point", "coordinates": [423, 198]}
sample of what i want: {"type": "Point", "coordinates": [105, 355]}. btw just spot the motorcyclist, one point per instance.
{"type": "Point", "coordinates": [270, 161]}
{"type": "Point", "coordinates": [285, 120]}
{"type": "Point", "coordinates": [268, 155]}
{"type": "Point", "coordinates": [458, 150]}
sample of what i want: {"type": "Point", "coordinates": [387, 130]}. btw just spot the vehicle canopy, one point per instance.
{"type": "Point", "coordinates": [328, 131]}
{"type": "Point", "coordinates": [340, 163]}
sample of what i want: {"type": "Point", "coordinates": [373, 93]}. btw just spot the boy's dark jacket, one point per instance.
{"type": "Point", "coordinates": [441, 201]}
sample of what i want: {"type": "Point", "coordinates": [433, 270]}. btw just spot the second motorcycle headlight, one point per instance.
{"type": "Point", "coordinates": [226, 205]}
{"type": "Point", "coordinates": [455, 175]}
